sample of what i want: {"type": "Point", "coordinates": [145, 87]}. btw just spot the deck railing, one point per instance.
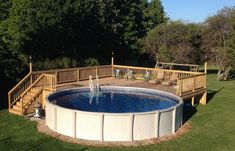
{"type": "Point", "coordinates": [188, 83]}
{"type": "Point", "coordinates": [140, 71]}
{"type": "Point", "coordinates": [178, 66]}
{"type": "Point", "coordinates": [191, 84]}
{"type": "Point", "coordinates": [77, 74]}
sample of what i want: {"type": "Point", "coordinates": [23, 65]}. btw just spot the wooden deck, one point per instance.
{"type": "Point", "coordinates": [120, 82]}
{"type": "Point", "coordinates": [22, 97]}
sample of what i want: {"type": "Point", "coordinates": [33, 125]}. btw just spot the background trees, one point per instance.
{"type": "Point", "coordinates": [73, 31]}
{"type": "Point", "coordinates": [218, 40]}
{"type": "Point", "coordinates": [214, 41]}
{"type": "Point", "coordinates": [174, 42]}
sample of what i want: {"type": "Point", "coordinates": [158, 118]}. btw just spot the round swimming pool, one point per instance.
{"type": "Point", "coordinates": [114, 113]}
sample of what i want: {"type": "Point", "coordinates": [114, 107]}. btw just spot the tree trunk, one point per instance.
{"type": "Point", "coordinates": [223, 74]}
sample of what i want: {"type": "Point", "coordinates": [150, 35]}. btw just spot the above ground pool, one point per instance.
{"type": "Point", "coordinates": [114, 113]}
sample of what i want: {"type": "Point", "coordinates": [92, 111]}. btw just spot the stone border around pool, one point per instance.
{"type": "Point", "coordinates": [126, 127]}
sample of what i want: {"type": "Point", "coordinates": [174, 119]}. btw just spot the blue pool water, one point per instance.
{"type": "Point", "coordinates": [113, 101]}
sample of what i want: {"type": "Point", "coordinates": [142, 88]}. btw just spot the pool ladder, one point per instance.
{"type": "Point", "coordinates": [93, 88]}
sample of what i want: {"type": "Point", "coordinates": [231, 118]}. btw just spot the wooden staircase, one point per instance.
{"type": "Point", "coordinates": [25, 101]}
{"type": "Point", "coordinates": [27, 91]}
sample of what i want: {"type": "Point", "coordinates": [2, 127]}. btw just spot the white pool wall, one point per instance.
{"type": "Point", "coordinates": [115, 126]}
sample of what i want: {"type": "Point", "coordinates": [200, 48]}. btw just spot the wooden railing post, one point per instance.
{"type": "Point", "coordinates": [31, 79]}
{"type": "Point", "coordinates": [78, 74]}
{"type": "Point", "coordinates": [9, 101]}
{"type": "Point", "coordinates": [30, 64]}
{"type": "Point", "coordinates": [22, 109]}
{"type": "Point", "coordinates": [194, 83]}
{"type": "Point", "coordinates": [30, 69]}
{"type": "Point", "coordinates": [56, 74]}
{"type": "Point", "coordinates": [178, 87]}
{"type": "Point", "coordinates": [205, 67]}
{"type": "Point", "coordinates": [181, 86]}
{"type": "Point", "coordinates": [55, 82]}
{"type": "Point", "coordinates": [51, 78]}
{"type": "Point", "coordinates": [204, 81]}
{"type": "Point", "coordinates": [112, 62]}
{"type": "Point", "coordinates": [96, 71]}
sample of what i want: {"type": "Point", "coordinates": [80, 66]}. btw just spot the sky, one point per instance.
{"type": "Point", "coordinates": [194, 10]}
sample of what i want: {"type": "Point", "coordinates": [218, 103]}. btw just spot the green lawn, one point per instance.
{"type": "Point", "coordinates": [213, 128]}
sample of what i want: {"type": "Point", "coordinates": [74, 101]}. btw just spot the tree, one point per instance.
{"type": "Point", "coordinates": [174, 42]}
{"type": "Point", "coordinates": [80, 29]}
{"type": "Point", "coordinates": [218, 40]}
{"type": "Point", "coordinates": [154, 14]}
{"type": "Point", "coordinates": [8, 59]}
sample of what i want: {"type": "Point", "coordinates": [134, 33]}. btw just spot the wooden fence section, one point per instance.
{"type": "Point", "coordinates": [77, 74]}
{"type": "Point", "coordinates": [191, 85]}
{"type": "Point", "coordinates": [177, 66]}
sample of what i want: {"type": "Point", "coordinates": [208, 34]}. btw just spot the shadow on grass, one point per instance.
{"type": "Point", "coordinates": [231, 76]}
{"type": "Point", "coordinates": [212, 71]}
{"type": "Point", "coordinates": [188, 111]}
{"type": "Point", "coordinates": [211, 94]}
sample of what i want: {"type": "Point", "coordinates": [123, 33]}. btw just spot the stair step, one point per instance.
{"type": "Point", "coordinates": [27, 97]}
{"type": "Point", "coordinates": [15, 111]}
{"type": "Point", "coordinates": [19, 103]}
{"type": "Point", "coordinates": [27, 100]}
{"type": "Point", "coordinates": [31, 94]}
{"type": "Point", "coordinates": [25, 105]}
{"type": "Point", "coordinates": [17, 107]}
{"type": "Point", "coordinates": [35, 90]}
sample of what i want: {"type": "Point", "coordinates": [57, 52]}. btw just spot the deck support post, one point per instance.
{"type": "Point", "coordinates": [193, 101]}
{"type": "Point", "coordinates": [203, 98]}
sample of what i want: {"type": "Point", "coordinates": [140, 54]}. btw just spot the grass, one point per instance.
{"type": "Point", "coordinates": [213, 128]}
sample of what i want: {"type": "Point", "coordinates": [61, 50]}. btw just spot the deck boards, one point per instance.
{"type": "Point", "coordinates": [120, 82]}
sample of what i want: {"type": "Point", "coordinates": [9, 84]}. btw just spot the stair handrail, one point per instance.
{"type": "Point", "coordinates": [12, 100]}
{"type": "Point", "coordinates": [40, 78]}
{"type": "Point", "coordinates": [35, 82]}
{"type": "Point", "coordinates": [32, 85]}
{"type": "Point", "coordinates": [53, 82]}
